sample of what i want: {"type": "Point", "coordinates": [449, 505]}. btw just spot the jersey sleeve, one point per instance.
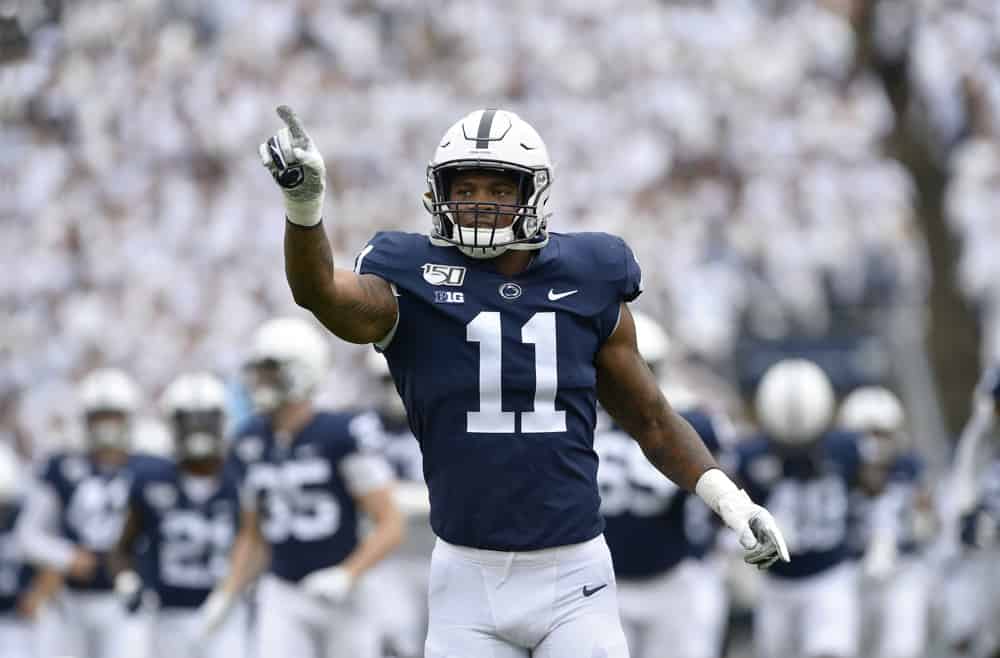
{"type": "Point", "coordinates": [361, 467]}
{"type": "Point", "coordinates": [385, 256]}
{"type": "Point", "coordinates": [631, 282]}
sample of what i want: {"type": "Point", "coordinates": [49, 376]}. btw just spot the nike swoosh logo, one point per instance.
{"type": "Point", "coordinates": [591, 592]}
{"type": "Point", "coordinates": [556, 296]}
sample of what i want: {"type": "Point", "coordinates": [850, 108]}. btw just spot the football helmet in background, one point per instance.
{"type": "Point", "coordinates": [877, 413]}
{"type": "Point", "coordinates": [10, 475]}
{"type": "Point", "coordinates": [794, 402]}
{"type": "Point", "coordinates": [490, 140]}
{"type": "Point", "coordinates": [288, 358]}
{"type": "Point", "coordinates": [109, 398]}
{"type": "Point", "coordinates": [652, 341]}
{"type": "Point", "coordinates": [388, 403]}
{"type": "Point", "coordinates": [195, 406]}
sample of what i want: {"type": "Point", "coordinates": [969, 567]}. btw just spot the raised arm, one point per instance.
{"type": "Point", "coordinates": [629, 392]}
{"type": "Point", "coordinates": [357, 308]}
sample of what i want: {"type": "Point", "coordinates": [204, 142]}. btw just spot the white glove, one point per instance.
{"type": "Point", "coordinates": [127, 586]}
{"type": "Point", "coordinates": [880, 557]}
{"type": "Point", "coordinates": [298, 168]}
{"type": "Point", "coordinates": [758, 532]}
{"type": "Point", "coordinates": [332, 584]}
{"type": "Point", "coordinates": [212, 613]}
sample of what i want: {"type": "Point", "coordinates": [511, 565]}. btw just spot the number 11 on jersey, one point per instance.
{"type": "Point", "coordinates": [540, 331]}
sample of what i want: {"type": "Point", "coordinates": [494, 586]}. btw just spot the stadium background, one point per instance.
{"type": "Point", "coordinates": [796, 177]}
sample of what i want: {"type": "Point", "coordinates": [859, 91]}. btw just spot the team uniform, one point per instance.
{"type": "Point", "coordinates": [498, 378]}
{"type": "Point", "coordinates": [809, 606]}
{"type": "Point", "coordinates": [660, 537]}
{"type": "Point", "coordinates": [16, 632]}
{"type": "Point", "coordinates": [79, 502]}
{"type": "Point", "coordinates": [396, 589]}
{"type": "Point", "coordinates": [895, 606]}
{"type": "Point", "coordinates": [188, 524]}
{"type": "Point", "coordinates": [304, 491]}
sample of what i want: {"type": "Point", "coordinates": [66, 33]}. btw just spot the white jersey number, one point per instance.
{"type": "Point", "coordinates": [296, 505]}
{"type": "Point", "coordinates": [814, 513]}
{"type": "Point", "coordinates": [96, 511]}
{"type": "Point", "coordinates": [195, 548]}
{"type": "Point", "coordinates": [540, 331]}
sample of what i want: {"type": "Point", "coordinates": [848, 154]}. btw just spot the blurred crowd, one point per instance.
{"type": "Point", "coordinates": [139, 229]}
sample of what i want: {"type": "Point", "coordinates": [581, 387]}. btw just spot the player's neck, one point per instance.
{"type": "Point", "coordinates": [512, 263]}
{"type": "Point", "coordinates": [291, 418]}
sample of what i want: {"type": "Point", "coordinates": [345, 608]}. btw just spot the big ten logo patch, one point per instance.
{"type": "Point", "coordinates": [443, 275]}
{"type": "Point", "coordinates": [449, 297]}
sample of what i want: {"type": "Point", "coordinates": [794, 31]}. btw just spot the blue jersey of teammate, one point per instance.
{"type": "Point", "coordinates": [896, 504]}
{"type": "Point", "coordinates": [93, 499]}
{"type": "Point", "coordinates": [307, 512]}
{"type": "Point", "coordinates": [15, 574]}
{"type": "Point", "coordinates": [651, 523]}
{"type": "Point", "coordinates": [809, 495]}
{"type": "Point", "coordinates": [498, 377]}
{"type": "Point", "coordinates": [393, 440]}
{"type": "Point", "coordinates": [981, 522]}
{"type": "Point", "coordinates": [189, 523]}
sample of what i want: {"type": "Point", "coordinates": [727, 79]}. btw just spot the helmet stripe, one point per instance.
{"type": "Point", "coordinates": [485, 124]}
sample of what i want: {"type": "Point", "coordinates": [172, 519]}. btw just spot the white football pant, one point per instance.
{"type": "Point", "coordinates": [291, 622]}
{"type": "Point", "coordinates": [552, 603]}
{"type": "Point", "coordinates": [970, 611]}
{"type": "Point", "coordinates": [395, 599]}
{"type": "Point", "coordinates": [896, 611]}
{"type": "Point", "coordinates": [175, 635]}
{"type": "Point", "coordinates": [809, 617]}
{"type": "Point", "coordinates": [17, 637]}
{"type": "Point", "coordinates": [695, 630]}
{"type": "Point", "coordinates": [91, 624]}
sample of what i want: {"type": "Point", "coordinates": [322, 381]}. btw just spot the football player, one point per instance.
{"type": "Point", "coordinates": [306, 478]}
{"type": "Point", "coordinates": [396, 593]}
{"type": "Point", "coordinates": [500, 337]}
{"type": "Point", "coordinates": [892, 520]}
{"type": "Point", "coordinates": [186, 511]}
{"type": "Point", "coordinates": [73, 516]}
{"type": "Point", "coordinates": [660, 535]}
{"type": "Point", "coordinates": [807, 608]}
{"type": "Point", "coordinates": [16, 629]}
{"type": "Point", "coordinates": [972, 605]}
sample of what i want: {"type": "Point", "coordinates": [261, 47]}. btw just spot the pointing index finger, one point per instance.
{"type": "Point", "coordinates": [291, 120]}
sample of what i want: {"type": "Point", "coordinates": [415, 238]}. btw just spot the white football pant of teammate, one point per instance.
{"type": "Point", "coordinates": [697, 633]}
{"type": "Point", "coordinates": [84, 624]}
{"type": "Point", "coordinates": [176, 635]}
{"type": "Point", "coordinates": [809, 617]}
{"type": "Point", "coordinates": [896, 610]}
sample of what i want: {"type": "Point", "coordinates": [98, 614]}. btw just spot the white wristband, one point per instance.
{"type": "Point", "coordinates": [304, 213]}
{"type": "Point", "coordinates": [712, 486]}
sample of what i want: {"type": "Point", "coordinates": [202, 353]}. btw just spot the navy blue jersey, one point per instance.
{"type": "Point", "coordinates": [897, 504]}
{"type": "Point", "coordinates": [15, 574]}
{"type": "Point", "coordinates": [189, 526]}
{"type": "Point", "coordinates": [808, 494]}
{"type": "Point", "coordinates": [394, 442]}
{"type": "Point", "coordinates": [92, 500]}
{"type": "Point", "coordinates": [307, 514]}
{"type": "Point", "coordinates": [651, 523]}
{"type": "Point", "coordinates": [498, 378]}
{"type": "Point", "coordinates": [982, 522]}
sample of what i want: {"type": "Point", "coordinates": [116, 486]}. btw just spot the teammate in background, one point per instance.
{"type": "Point", "coordinates": [396, 592]}
{"type": "Point", "coordinates": [804, 471]}
{"type": "Point", "coordinates": [500, 337]}
{"type": "Point", "coordinates": [306, 478]}
{"type": "Point", "coordinates": [972, 602]}
{"type": "Point", "coordinates": [187, 512]}
{"type": "Point", "coordinates": [892, 520]}
{"type": "Point", "coordinates": [73, 516]}
{"type": "Point", "coordinates": [659, 534]}
{"type": "Point", "coordinates": [16, 628]}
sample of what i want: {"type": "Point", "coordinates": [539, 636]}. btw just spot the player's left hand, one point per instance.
{"type": "Point", "coordinates": [332, 584]}
{"type": "Point", "coordinates": [763, 540]}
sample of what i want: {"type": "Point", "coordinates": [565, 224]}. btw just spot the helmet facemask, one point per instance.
{"type": "Point", "coordinates": [198, 434]}
{"type": "Point", "coordinates": [272, 383]}
{"type": "Point", "coordinates": [107, 429]}
{"type": "Point", "coordinates": [472, 226]}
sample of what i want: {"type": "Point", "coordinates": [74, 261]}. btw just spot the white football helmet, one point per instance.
{"type": "Point", "coordinates": [389, 403]}
{"type": "Point", "coordinates": [195, 404]}
{"type": "Point", "coordinates": [652, 340]}
{"type": "Point", "coordinates": [109, 398]}
{"type": "Point", "coordinates": [794, 401]}
{"type": "Point", "coordinates": [299, 356]}
{"type": "Point", "coordinates": [872, 409]}
{"type": "Point", "coordinates": [497, 140]}
{"type": "Point", "coordinates": [10, 475]}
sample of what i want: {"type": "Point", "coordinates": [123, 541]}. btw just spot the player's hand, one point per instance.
{"type": "Point", "coordinates": [297, 166]}
{"type": "Point", "coordinates": [212, 613]}
{"type": "Point", "coordinates": [128, 587]}
{"type": "Point", "coordinates": [332, 584]}
{"type": "Point", "coordinates": [83, 565]}
{"type": "Point", "coordinates": [757, 530]}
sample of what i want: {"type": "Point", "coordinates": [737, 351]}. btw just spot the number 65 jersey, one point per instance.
{"type": "Point", "coordinates": [498, 377]}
